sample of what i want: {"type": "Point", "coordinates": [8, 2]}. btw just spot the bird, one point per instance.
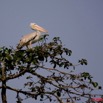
{"type": "Point", "coordinates": [31, 38]}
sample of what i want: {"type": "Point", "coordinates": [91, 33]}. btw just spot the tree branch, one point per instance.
{"type": "Point", "coordinates": [16, 75]}
{"type": "Point", "coordinates": [24, 70]}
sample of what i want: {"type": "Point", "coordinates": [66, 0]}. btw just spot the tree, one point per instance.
{"type": "Point", "coordinates": [59, 83]}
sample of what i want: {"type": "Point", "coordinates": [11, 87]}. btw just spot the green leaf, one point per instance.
{"type": "Point", "coordinates": [95, 84]}
{"type": "Point", "coordinates": [41, 58]}
{"type": "Point", "coordinates": [99, 87]}
{"type": "Point", "coordinates": [58, 93]}
{"type": "Point", "coordinates": [54, 65]}
{"type": "Point", "coordinates": [83, 61]}
{"type": "Point", "coordinates": [28, 77]}
{"type": "Point", "coordinates": [42, 96]}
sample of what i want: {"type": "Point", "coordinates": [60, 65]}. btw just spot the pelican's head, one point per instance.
{"type": "Point", "coordinates": [36, 27]}
{"type": "Point", "coordinates": [31, 24]}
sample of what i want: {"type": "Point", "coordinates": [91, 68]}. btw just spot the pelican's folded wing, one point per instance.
{"type": "Point", "coordinates": [26, 39]}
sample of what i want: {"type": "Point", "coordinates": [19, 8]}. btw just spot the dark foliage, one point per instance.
{"type": "Point", "coordinates": [58, 83]}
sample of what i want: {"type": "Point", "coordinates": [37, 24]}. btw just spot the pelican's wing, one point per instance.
{"type": "Point", "coordinates": [37, 27]}
{"type": "Point", "coordinates": [26, 39]}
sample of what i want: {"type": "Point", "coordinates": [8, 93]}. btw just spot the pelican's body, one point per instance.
{"type": "Point", "coordinates": [31, 38]}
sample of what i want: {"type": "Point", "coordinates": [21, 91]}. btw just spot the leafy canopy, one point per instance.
{"type": "Point", "coordinates": [51, 76]}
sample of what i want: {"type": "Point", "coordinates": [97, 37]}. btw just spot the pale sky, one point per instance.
{"type": "Point", "coordinates": [79, 24]}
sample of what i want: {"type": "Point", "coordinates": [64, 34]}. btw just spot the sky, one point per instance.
{"type": "Point", "coordinates": [79, 24]}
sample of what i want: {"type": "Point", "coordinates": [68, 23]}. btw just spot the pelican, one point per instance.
{"type": "Point", "coordinates": [29, 39]}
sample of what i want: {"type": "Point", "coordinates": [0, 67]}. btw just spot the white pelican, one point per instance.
{"type": "Point", "coordinates": [29, 39]}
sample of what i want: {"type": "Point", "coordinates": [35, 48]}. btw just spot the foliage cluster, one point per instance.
{"type": "Point", "coordinates": [58, 83]}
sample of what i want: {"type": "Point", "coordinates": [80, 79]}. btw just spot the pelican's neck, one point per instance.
{"type": "Point", "coordinates": [38, 33]}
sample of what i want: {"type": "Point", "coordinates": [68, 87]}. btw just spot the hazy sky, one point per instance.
{"type": "Point", "coordinates": [79, 23]}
